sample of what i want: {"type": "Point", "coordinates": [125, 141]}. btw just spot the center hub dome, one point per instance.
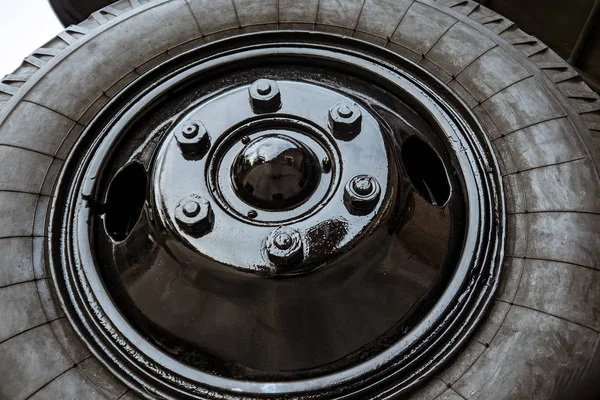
{"type": "Point", "coordinates": [275, 172]}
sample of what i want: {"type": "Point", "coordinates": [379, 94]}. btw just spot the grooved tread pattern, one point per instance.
{"type": "Point", "coordinates": [542, 120]}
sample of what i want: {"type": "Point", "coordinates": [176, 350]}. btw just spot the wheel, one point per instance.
{"type": "Point", "coordinates": [298, 199]}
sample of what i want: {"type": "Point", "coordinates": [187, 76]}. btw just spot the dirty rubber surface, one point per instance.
{"type": "Point", "coordinates": [542, 329]}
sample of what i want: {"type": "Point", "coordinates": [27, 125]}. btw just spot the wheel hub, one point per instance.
{"type": "Point", "coordinates": [262, 171]}
{"type": "Point", "coordinates": [275, 172]}
{"type": "Point", "coordinates": [317, 222]}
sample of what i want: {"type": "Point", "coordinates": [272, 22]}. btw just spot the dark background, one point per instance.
{"type": "Point", "coordinates": [570, 27]}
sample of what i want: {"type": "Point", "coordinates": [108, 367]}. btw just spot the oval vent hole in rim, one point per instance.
{"type": "Point", "coordinates": [426, 171]}
{"type": "Point", "coordinates": [125, 201]}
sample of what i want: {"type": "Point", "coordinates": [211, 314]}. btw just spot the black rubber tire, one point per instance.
{"type": "Point", "coordinates": [543, 121]}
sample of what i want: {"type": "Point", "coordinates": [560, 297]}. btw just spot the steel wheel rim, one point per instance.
{"type": "Point", "coordinates": [78, 280]}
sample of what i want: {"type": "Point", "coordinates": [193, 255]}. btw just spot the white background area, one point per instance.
{"type": "Point", "coordinates": [25, 25]}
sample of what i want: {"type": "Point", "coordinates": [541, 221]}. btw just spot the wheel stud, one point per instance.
{"type": "Point", "coordinates": [265, 96]}
{"type": "Point", "coordinates": [326, 164]}
{"type": "Point", "coordinates": [345, 119]}
{"type": "Point", "coordinates": [194, 215]}
{"type": "Point", "coordinates": [284, 246]}
{"type": "Point", "coordinates": [263, 87]}
{"type": "Point", "coordinates": [193, 138]}
{"type": "Point", "coordinates": [344, 111]}
{"type": "Point", "coordinates": [191, 208]}
{"type": "Point", "coordinates": [361, 193]}
{"type": "Point", "coordinates": [283, 241]}
{"type": "Point", "coordinates": [363, 185]}
{"type": "Point", "coordinates": [190, 130]}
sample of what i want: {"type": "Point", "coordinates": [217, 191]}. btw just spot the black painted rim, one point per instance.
{"type": "Point", "coordinates": [389, 373]}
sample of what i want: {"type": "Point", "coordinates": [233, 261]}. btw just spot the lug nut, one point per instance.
{"type": "Point", "coordinates": [193, 138]}
{"type": "Point", "coordinates": [361, 194]}
{"type": "Point", "coordinates": [194, 215]}
{"type": "Point", "coordinates": [265, 96]}
{"type": "Point", "coordinates": [284, 246]}
{"type": "Point", "coordinates": [345, 119]}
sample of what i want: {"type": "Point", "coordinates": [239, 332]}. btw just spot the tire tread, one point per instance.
{"type": "Point", "coordinates": [534, 54]}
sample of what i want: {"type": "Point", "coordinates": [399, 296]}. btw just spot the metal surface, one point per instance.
{"type": "Point", "coordinates": [345, 119]}
{"type": "Point", "coordinates": [265, 96]}
{"type": "Point", "coordinates": [194, 214]}
{"type": "Point", "coordinates": [193, 139]}
{"type": "Point", "coordinates": [285, 247]}
{"type": "Point", "coordinates": [361, 193]}
{"type": "Point", "coordinates": [300, 252]}
{"type": "Point", "coordinates": [275, 172]}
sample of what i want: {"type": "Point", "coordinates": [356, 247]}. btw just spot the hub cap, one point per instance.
{"type": "Point", "coordinates": [275, 172]}
{"type": "Point", "coordinates": [320, 221]}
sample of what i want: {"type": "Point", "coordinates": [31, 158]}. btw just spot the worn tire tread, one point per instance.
{"type": "Point", "coordinates": [25, 206]}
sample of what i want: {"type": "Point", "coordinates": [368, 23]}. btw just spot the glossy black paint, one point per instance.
{"type": "Point", "coordinates": [353, 243]}
{"type": "Point", "coordinates": [275, 172]}
{"type": "Point", "coordinates": [312, 196]}
{"type": "Point", "coordinates": [411, 289]}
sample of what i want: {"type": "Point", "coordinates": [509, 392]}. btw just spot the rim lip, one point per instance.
{"type": "Point", "coordinates": [94, 327]}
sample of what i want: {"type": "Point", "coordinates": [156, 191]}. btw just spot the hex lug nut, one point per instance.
{"type": "Point", "coordinates": [193, 138]}
{"type": "Point", "coordinates": [265, 96]}
{"type": "Point", "coordinates": [345, 120]}
{"type": "Point", "coordinates": [361, 194]}
{"type": "Point", "coordinates": [194, 215]}
{"type": "Point", "coordinates": [284, 246]}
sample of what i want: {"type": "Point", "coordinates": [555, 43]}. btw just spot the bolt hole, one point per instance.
{"type": "Point", "coordinates": [125, 201]}
{"type": "Point", "coordinates": [426, 171]}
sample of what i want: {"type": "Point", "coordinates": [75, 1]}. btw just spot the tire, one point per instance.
{"type": "Point", "coordinates": [541, 332]}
